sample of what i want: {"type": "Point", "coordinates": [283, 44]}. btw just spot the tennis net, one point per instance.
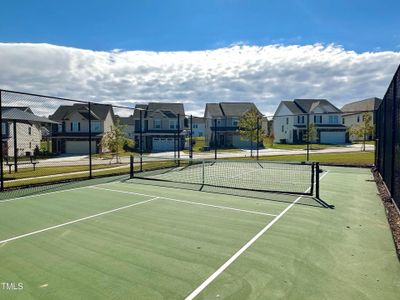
{"type": "Point", "coordinates": [260, 176]}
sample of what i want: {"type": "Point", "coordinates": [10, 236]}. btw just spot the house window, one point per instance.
{"type": "Point", "coordinates": [195, 126]}
{"type": "Point", "coordinates": [75, 126]}
{"type": "Point", "coordinates": [30, 131]}
{"type": "Point", "coordinates": [300, 119]}
{"type": "Point", "coordinates": [235, 122]}
{"type": "Point", "coordinates": [30, 145]}
{"type": "Point", "coordinates": [283, 128]}
{"type": "Point", "coordinates": [157, 123]}
{"type": "Point", "coordinates": [333, 119]}
{"type": "Point", "coordinates": [287, 121]}
{"type": "Point", "coordinates": [4, 128]}
{"type": "Point", "coordinates": [95, 126]}
{"type": "Point", "coordinates": [59, 127]}
{"type": "Point", "coordinates": [358, 119]}
{"type": "Point", "coordinates": [343, 121]}
{"type": "Point", "coordinates": [173, 124]}
{"type": "Point", "coordinates": [318, 119]}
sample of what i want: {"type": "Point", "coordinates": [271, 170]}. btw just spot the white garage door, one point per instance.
{"type": "Point", "coordinates": [163, 144]}
{"type": "Point", "coordinates": [79, 147]}
{"type": "Point", "coordinates": [333, 137]}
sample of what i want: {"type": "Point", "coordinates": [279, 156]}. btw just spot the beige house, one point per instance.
{"type": "Point", "coordinates": [71, 135]}
{"type": "Point", "coordinates": [353, 113]}
{"type": "Point", "coordinates": [161, 123]}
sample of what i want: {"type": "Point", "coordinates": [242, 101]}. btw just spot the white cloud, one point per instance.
{"type": "Point", "coordinates": [265, 75]}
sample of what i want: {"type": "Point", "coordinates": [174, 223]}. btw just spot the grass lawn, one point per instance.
{"type": "Point", "coordinates": [301, 146]}
{"type": "Point", "coordinates": [199, 145]}
{"type": "Point", "coordinates": [347, 158]}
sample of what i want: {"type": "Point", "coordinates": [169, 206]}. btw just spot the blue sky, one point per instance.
{"type": "Point", "coordinates": [198, 25]}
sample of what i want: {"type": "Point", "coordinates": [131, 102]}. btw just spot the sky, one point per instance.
{"type": "Point", "coordinates": [129, 52]}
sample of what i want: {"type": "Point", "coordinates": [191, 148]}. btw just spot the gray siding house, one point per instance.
{"type": "Point", "coordinates": [71, 136]}
{"type": "Point", "coordinates": [160, 125]}
{"type": "Point", "coordinates": [226, 115]}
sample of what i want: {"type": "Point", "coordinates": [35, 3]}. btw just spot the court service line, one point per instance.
{"type": "Point", "coordinates": [187, 202]}
{"type": "Point", "coordinates": [221, 269]}
{"type": "Point", "coordinates": [75, 221]}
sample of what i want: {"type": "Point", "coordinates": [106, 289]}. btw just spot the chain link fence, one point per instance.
{"type": "Point", "coordinates": [387, 157]}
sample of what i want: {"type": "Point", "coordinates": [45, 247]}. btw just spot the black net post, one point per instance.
{"type": "Point", "coordinates": [90, 140]}
{"type": "Point", "coordinates": [1, 148]}
{"type": "Point", "coordinates": [191, 138]}
{"type": "Point", "coordinates": [215, 140]}
{"type": "Point", "coordinates": [308, 138]}
{"type": "Point", "coordinates": [317, 172]}
{"type": "Point", "coordinates": [131, 167]}
{"type": "Point", "coordinates": [15, 146]}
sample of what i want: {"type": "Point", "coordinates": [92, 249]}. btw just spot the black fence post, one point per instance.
{"type": "Point", "coordinates": [15, 146]}
{"type": "Point", "coordinates": [258, 137]}
{"type": "Point", "coordinates": [215, 139]}
{"type": "Point", "coordinates": [178, 135]}
{"type": "Point", "coordinates": [1, 148]}
{"type": "Point", "coordinates": [308, 137]}
{"type": "Point", "coordinates": [90, 141]}
{"type": "Point", "coordinates": [191, 138]}
{"type": "Point", "coordinates": [317, 172]}
{"type": "Point", "coordinates": [312, 178]}
{"type": "Point", "coordinates": [131, 167]}
{"type": "Point", "coordinates": [394, 134]}
{"type": "Point", "coordinates": [141, 139]}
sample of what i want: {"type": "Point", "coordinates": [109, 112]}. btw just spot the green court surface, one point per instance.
{"type": "Point", "coordinates": [132, 240]}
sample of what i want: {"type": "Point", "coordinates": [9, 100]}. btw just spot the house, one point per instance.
{"type": "Point", "coordinates": [199, 126]}
{"type": "Point", "coordinates": [353, 113]}
{"type": "Point", "coordinates": [128, 124]}
{"type": "Point", "coordinates": [290, 122]}
{"type": "Point", "coordinates": [160, 125]}
{"type": "Point", "coordinates": [226, 117]}
{"type": "Point", "coordinates": [71, 135]}
{"type": "Point", "coordinates": [23, 129]}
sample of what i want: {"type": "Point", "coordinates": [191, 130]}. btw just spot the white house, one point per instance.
{"type": "Point", "coordinates": [353, 113]}
{"type": "Point", "coordinates": [290, 121]}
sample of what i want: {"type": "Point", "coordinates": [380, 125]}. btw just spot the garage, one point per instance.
{"type": "Point", "coordinates": [79, 147]}
{"type": "Point", "coordinates": [333, 137]}
{"type": "Point", "coordinates": [163, 144]}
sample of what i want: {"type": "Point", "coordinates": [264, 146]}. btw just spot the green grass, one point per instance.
{"type": "Point", "coordinates": [301, 146]}
{"type": "Point", "coordinates": [166, 249]}
{"type": "Point", "coordinates": [345, 158]}
{"type": "Point", "coordinates": [200, 143]}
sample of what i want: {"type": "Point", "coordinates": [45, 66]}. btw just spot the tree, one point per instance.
{"type": "Point", "coordinates": [363, 130]}
{"type": "Point", "coordinates": [248, 127]}
{"type": "Point", "coordinates": [311, 133]}
{"type": "Point", "coordinates": [116, 140]}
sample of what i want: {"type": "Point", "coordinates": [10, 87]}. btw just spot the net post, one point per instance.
{"type": "Point", "coordinates": [1, 148]}
{"type": "Point", "coordinates": [141, 139]}
{"type": "Point", "coordinates": [203, 173]}
{"type": "Point", "coordinates": [131, 167]}
{"type": "Point", "coordinates": [312, 178]}
{"type": "Point", "coordinates": [308, 137]}
{"type": "Point", "coordinates": [90, 141]}
{"type": "Point", "coordinates": [317, 171]}
{"type": "Point", "coordinates": [258, 137]}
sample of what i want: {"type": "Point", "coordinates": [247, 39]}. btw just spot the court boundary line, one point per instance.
{"type": "Point", "coordinates": [187, 201]}
{"type": "Point", "coordinates": [74, 221]}
{"type": "Point", "coordinates": [54, 192]}
{"type": "Point", "coordinates": [235, 256]}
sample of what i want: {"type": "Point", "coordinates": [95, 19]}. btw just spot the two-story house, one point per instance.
{"type": "Point", "coordinates": [353, 113]}
{"type": "Point", "coordinates": [222, 119]}
{"type": "Point", "coordinates": [23, 129]}
{"type": "Point", "coordinates": [198, 127]}
{"type": "Point", "coordinates": [290, 122]}
{"type": "Point", "coordinates": [128, 124]}
{"type": "Point", "coordinates": [161, 124]}
{"type": "Point", "coordinates": [71, 135]}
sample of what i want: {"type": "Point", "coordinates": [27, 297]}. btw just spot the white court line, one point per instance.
{"type": "Point", "coordinates": [210, 279]}
{"type": "Point", "coordinates": [188, 202]}
{"type": "Point", "coordinates": [55, 192]}
{"type": "Point", "coordinates": [75, 221]}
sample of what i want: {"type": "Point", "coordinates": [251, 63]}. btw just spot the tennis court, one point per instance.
{"type": "Point", "coordinates": [133, 239]}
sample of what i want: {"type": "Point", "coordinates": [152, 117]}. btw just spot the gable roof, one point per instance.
{"type": "Point", "coordinates": [22, 115]}
{"type": "Point", "coordinates": [368, 104]}
{"type": "Point", "coordinates": [98, 111]}
{"type": "Point", "coordinates": [125, 120]}
{"type": "Point", "coordinates": [170, 110]}
{"type": "Point", "coordinates": [309, 105]}
{"type": "Point", "coordinates": [229, 109]}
